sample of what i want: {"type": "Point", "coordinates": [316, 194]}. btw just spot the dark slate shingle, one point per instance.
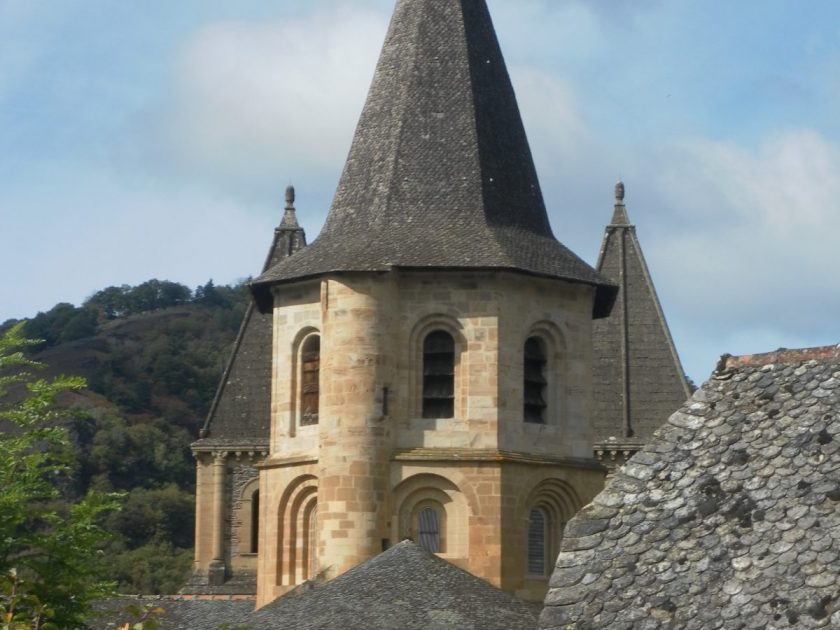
{"type": "Point", "coordinates": [638, 379]}
{"type": "Point", "coordinates": [729, 517]}
{"type": "Point", "coordinates": [440, 174]}
{"type": "Point", "coordinates": [406, 588]}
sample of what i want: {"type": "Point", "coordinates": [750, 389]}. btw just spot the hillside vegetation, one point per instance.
{"type": "Point", "coordinates": [152, 356]}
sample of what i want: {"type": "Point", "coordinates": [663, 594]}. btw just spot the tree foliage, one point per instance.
{"type": "Point", "coordinates": [152, 355]}
{"type": "Point", "coordinates": [64, 322]}
{"type": "Point", "coordinates": [49, 571]}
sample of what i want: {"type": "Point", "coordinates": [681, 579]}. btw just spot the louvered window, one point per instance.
{"type": "Point", "coordinates": [537, 530]}
{"type": "Point", "coordinates": [428, 527]}
{"type": "Point", "coordinates": [535, 381]}
{"type": "Point", "coordinates": [438, 375]}
{"type": "Point", "coordinates": [310, 375]}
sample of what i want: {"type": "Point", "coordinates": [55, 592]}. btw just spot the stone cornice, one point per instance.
{"type": "Point", "coordinates": [252, 451]}
{"type": "Point", "coordinates": [280, 462]}
{"type": "Point", "coordinates": [489, 456]}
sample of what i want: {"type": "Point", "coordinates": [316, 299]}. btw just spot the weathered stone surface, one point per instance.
{"type": "Point", "coordinates": [737, 525]}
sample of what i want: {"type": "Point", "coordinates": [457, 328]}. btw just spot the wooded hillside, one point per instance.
{"type": "Point", "coordinates": [152, 356]}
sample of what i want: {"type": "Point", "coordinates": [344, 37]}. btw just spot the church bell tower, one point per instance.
{"type": "Point", "coordinates": [431, 350]}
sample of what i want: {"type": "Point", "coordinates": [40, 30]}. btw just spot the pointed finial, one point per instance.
{"type": "Point", "coordinates": [289, 217]}
{"type": "Point", "coordinates": [620, 212]}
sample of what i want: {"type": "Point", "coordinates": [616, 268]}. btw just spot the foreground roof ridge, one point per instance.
{"type": "Point", "coordinates": [402, 587]}
{"type": "Point", "coordinates": [729, 515]}
{"type": "Point", "coordinates": [440, 174]}
{"type": "Point", "coordinates": [729, 362]}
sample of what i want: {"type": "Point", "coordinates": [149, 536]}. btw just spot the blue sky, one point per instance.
{"type": "Point", "coordinates": [154, 139]}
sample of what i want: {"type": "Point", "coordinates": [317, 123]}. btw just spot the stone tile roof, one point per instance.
{"type": "Point", "coordinates": [440, 174]}
{"type": "Point", "coordinates": [180, 614]}
{"type": "Point", "coordinates": [638, 379]}
{"type": "Point", "coordinates": [406, 588]}
{"type": "Point", "coordinates": [239, 415]}
{"type": "Point", "coordinates": [729, 518]}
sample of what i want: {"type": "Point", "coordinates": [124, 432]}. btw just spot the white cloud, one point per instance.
{"type": "Point", "coordinates": [256, 102]}
{"type": "Point", "coordinates": [759, 244]}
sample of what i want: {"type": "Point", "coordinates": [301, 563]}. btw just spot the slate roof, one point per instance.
{"type": "Point", "coordinates": [406, 588]}
{"type": "Point", "coordinates": [638, 379]}
{"type": "Point", "coordinates": [239, 415]}
{"type": "Point", "coordinates": [729, 518]}
{"type": "Point", "coordinates": [440, 174]}
{"type": "Point", "coordinates": [179, 614]}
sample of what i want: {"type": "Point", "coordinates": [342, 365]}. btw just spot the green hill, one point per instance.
{"type": "Point", "coordinates": [152, 356]}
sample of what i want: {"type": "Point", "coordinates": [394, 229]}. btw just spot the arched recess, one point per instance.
{"type": "Point", "coordinates": [554, 369]}
{"type": "Point", "coordinates": [427, 491]}
{"type": "Point", "coordinates": [305, 381]}
{"type": "Point", "coordinates": [249, 517]}
{"type": "Point", "coordinates": [297, 548]}
{"type": "Point", "coordinates": [423, 328]}
{"type": "Point", "coordinates": [547, 508]}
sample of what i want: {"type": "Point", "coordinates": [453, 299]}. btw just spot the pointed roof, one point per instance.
{"type": "Point", "coordinates": [240, 412]}
{"type": "Point", "coordinates": [440, 174]}
{"type": "Point", "coordinates": [638, 378]}
{"type": "Point", "coordinates": [403, 587]}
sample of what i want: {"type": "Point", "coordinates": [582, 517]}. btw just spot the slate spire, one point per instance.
{"type": "Point", "coordinates": [638, 379]}
{"type": "Point", "coordinates": [240, 411]}
{"type": "Point", "coordinates": [440, 174]}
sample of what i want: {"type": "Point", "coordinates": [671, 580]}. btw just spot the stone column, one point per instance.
{"type": "Point", "coordinates": [217, 566]}
{"type": "Point", "coordinates": [354, 437]}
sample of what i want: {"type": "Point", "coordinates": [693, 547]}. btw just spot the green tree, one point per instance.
{"type": "Point", "coordinates": [49, 572]}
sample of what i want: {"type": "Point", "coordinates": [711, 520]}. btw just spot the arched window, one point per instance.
{"type": "Point", "coordinates": [438, 375]}
{"type": "Point", "coordinates": [311, 550]}
{"type": "Point", "coordinates": [310, 356]}
{"type": "Point", "coordinates": [428, 530]}
{"type": "Point", "coordinates": [534, 386]}
{"type": "Point", "coordinates": [255, 522]}
{"type": "Point", "coordinates": [538, 526]}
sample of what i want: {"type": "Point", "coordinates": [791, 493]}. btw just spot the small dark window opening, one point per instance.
{"type": "Point", "coordinates": [429, 530]}
{"type": "Point", "coordinates": [312, 543]}
{"type": "Point", "coordinates": [255, 522]}
{"type": "Point", "coordinates": [438, 375]}
{"type": "Point", "coordinates": [537, 530]}
{"type": "Point", "coordinates": [535, 381]}
{"type": "Point", "coordinates": [310, 375]}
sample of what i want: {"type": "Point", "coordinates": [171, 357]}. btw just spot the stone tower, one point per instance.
{"type": "Point", "coordinates": [638, 378]}
{"type": "Point", "coordinates": [233, 440]}
{"type": "Point", "coordinates": [431, 352]}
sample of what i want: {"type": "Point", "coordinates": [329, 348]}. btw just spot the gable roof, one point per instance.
{"type": "Point", "coordinates": [440, 174]}
{"type": "Point", "coordinates": [240, 412]}
{"type": "Point", "coordinates": [638, 379]}
{"type": "Point", "coordinates": [729, 516]}
{"type": "Point", "coordinates": [404, 587]}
